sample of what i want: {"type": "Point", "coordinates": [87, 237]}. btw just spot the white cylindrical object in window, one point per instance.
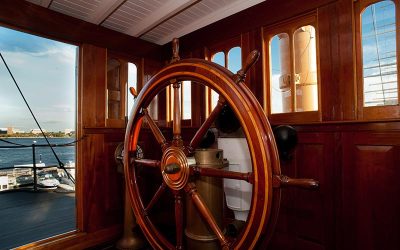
{"type": "Point", "coordinates": [238, 193]}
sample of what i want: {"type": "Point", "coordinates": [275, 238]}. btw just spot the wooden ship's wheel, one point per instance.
{"type": "Point", "coordinates": [177, 175]}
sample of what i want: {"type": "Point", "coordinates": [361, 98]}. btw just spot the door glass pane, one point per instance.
{"type": "Point", "coordinates": [305, 69]}
{"type": "Point", "coordinates": [379, 54]}
{"type": "Point", "coordinates": [280, 74]}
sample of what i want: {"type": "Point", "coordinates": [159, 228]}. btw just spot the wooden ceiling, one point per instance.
{"type": "Point", "coordinates": [156, 21]}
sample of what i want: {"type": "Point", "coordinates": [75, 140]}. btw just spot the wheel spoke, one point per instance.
{"type": "Point", "coordinates": [179, 220]}
{"type": "Point", "coordinates": [147, 162]}
{"type": "Point", "coordinates": [214, 172]}
{"type": "Point", "coordinates": [177, 140]}
{"type": "Point", "coordinates": [156, 197]}
{"type": "Point", "coordinates": [154, 128]}
{"type": "Point", "coordinates": [194, 143]}
{"type": "Point", "coordinates": [202, 208]}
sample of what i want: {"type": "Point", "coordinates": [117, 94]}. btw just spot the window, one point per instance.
{"type": "Point", "coordinates": [218, 58]}
{"type": "Point", "coordinates": [132, 82]}
{"type": "Point", "coordinates": [46, 72]}
{"type": "Point", "coordinates": [231, 58]}
{"type": "Point", "coordinates": [121, 75]}
{"type": "Point", "coordinates": [185, 96]}
{"type": "Point", "coordinates": [292, 69]}
{"type": "Point", "coordinates": [377, 59]}
{"type": "Point", "coordinates": [114, 88]}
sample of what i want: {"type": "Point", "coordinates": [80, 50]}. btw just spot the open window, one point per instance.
{"type": "Point", "coordinates": [292, 79]}
{"type": "Point", "coordinates": [37, 180]}
{"type": "Point", "coordinates": [377, 59]}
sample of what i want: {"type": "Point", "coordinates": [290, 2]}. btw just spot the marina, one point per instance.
{"type": "Point", "coordinates": [16, 173]}
{"type": "Point", "coordinates": [37, 197]}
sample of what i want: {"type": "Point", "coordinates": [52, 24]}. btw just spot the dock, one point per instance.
{"type": "Point", "coordinates": [28, 216]}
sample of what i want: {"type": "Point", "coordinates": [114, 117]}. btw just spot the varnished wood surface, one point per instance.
{"type": "Point", "coordinates": [252, 18]}
{"type": "Point", "coordinates": [369, 191]}
{"type": "Point", "coordinates": [93, 63]}
{"type": "Point", "coordinates": [320, 153]}
{"type": "Point", "coordinates": [99, 188]}
{"type": "Point", "coordinates": [354, 207]}
{"type": "Point", "coordinates": [336, 48]}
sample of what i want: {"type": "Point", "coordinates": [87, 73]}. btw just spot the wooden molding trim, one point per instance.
{"type": "Point", "coordinates": [76, 240]}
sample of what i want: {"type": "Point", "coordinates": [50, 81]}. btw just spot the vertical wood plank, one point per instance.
{"type": "Point", "coordinates": [347, 86]}
{"type": "Point", "coordinates": [329, 62]}
{"type": "Point", "coordinates": [94, 63]}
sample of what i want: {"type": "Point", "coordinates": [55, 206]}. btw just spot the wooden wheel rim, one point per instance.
{"type": "Point", "coordinates": [264, 156]}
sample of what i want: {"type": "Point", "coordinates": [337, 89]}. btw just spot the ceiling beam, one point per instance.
{"type": "Point", "coordinates": [105, 9]}
{"type": "Point", "coordinates": [168, 10]}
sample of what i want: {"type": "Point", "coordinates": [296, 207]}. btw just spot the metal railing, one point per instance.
{"type": "Point", "coordinates": [34, 166]}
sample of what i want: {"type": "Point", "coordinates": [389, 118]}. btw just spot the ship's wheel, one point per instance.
{"type": "Point", "coordinates": [176, 173]}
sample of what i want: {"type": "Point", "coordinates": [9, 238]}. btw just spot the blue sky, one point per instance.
{"type": "Point", "coordinates": [46, 73]}
{"type": "Point", "coordinates": [379, 54]}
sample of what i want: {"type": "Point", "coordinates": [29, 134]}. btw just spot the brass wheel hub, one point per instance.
{"type": "Point", "coordinates": [175, 168]}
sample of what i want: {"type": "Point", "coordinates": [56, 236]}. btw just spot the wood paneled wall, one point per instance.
{"type": "Point", "coordinates": [336, 48]}
{"type": "Point", "coordinates": [356, 163]}
{"type": "Point", "coordinates": [100, 185]}
{"type": "Point", "coordinates": [356, 206]}
{"type": "Point", "coordinates": [306, 219]}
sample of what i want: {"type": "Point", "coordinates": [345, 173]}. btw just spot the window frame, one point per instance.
{"type": "Point", "coordinates": [289, 27]}
{"type": "Point", "coordinates": [117, 122]}
{"type": "Point", "coordinates": [224, 47]}
{"type": "Point", "coordinates": [79, 232]}
{"type": "Point", "coordinates": [374, 112]}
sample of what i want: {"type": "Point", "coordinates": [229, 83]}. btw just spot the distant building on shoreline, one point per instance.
{"type": "Point", "coordinates": [36, 131]}
{"type": "Point", "coordinates": [69, 131]}
{"type": "Point", "coordinates": [10, 131]}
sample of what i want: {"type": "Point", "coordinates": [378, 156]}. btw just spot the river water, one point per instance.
{"type": "Point", "coordinates": [15, 155]}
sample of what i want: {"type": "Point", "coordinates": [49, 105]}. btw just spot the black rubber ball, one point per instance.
{"type": "Point", "coordinates": [226, 121]}
{"type": "Point", "coordinates": [286, 139]}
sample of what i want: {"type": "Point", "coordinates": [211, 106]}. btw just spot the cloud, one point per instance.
{"type": "Point", "coordinates": [17, 41]}
{"type": "Point", "coordinates": [46, 73]}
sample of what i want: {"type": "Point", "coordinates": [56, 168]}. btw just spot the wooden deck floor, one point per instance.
{"type": "Point", "coordinates": [27, 216]}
